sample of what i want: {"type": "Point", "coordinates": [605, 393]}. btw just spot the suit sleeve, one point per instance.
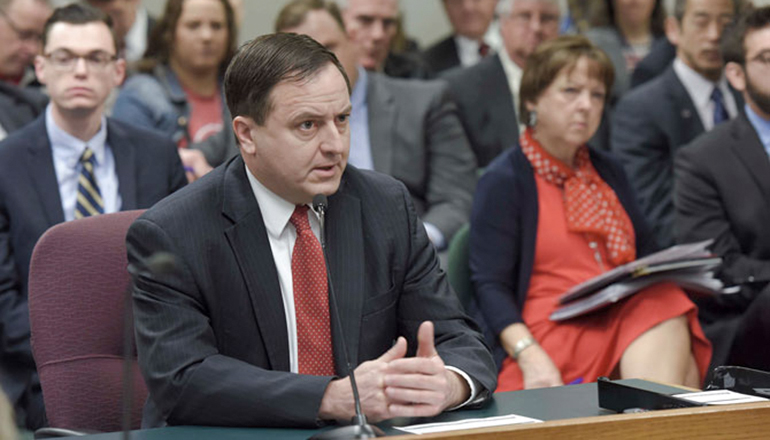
{"type": "Point", "coordinates": [426, 295]}
{"type": "Point", "coordinates": [645, 153]}
{"type": "Point", "coordinates": [452, 167]}
{"type": "Point", "coordinates": [700, 215]}
{"type": "Point", "coordinates": [14, 308]}
{"type": "Point", "coordinates": [189, 381]}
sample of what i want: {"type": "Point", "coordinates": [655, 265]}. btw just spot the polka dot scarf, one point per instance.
{"type": "Point", "coordinates": [590, 204]}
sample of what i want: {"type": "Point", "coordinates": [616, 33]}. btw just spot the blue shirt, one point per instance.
{"type": "Point", "coordinates": [762, 126]}
{"type": "Point", "coordinates": [360, 145]}
{"type": "Point", "coordinates": [67, 151]}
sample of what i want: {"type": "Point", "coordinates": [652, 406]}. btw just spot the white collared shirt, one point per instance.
{"type": "Point", "coordinates": [468, 49]}
{"type": "Point", "coordinates": [700, 89]}
{"type": "Point", "coordinates": [513, 73]}
{"type": "Point", "coordinates": [67, 151]}
{"type": "Point", "coordinates": [275, 215]}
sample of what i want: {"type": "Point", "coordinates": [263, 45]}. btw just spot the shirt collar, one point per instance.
{"type": "Point", "coordinates": [275, 210]}
{"type": "Point", "coordinates": [761, 125]}
{"type": "Point", "coordinates": [69, 148]}
{"type": "Point", "coordinates": [358, 97]}
{"type": "Point", "coordinates": [698, 87]}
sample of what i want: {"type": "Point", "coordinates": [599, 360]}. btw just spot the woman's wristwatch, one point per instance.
{"type": "Point", "coordinates": [521, 345]}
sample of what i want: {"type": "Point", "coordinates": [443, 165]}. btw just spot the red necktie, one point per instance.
{"type": "Point", "coordinates": [311, 300]}
{"type": "Point", "coordinates": [483, 49]}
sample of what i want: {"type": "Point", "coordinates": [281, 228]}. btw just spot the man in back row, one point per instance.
{"type": "Point", "coordinates": [69, 163]}
{"type": "Point", "coordinates": [241, 333]}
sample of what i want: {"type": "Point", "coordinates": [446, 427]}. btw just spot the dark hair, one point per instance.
{"type": "Point", "coordinates": [295, 13]}
{"type": "Point", "coordinates": [733, 43]}
{"type": "Point", "coordinates": [266, 61]}
{"type": "Point", "coordinates": [657, 20]}
{"type": "Point", "coordinates": [551, 57]}
{"type": "Point", "coordinates": [162, 36]}
{"type": "Point", "coordinates": [681, 5]}
{"type": "Point", "coordinates": [77, 13]}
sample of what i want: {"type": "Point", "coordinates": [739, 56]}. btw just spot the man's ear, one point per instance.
{"type": "Point", "coordinates": [40, 69]}
{"type": "Point", "coordinates": [736, 76]}
{"type": "Point", "coordinates": [673, 29]}
{"type": "Point", "coordinates": [243, 127]}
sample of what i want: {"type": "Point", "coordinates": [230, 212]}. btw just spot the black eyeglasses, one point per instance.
{"type": "Point", "coordinates": [63, 59]}
{"type": "Point", "coordinates": [23, 34]}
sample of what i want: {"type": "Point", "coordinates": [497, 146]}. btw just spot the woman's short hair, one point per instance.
{"type": "Point", "coordinates": [162, 37]}
{"type": "Point", "coordinates": [551, 57]}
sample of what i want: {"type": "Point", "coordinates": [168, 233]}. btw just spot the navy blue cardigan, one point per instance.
{"type": "Point", "coordinates": [504, 229]}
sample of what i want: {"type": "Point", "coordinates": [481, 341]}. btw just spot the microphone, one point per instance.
{"type": "Point", "coordinates": [160, 263]}
{"type": "Point", "coordinates": [359, 428]}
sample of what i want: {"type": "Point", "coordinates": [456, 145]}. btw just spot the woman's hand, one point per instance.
{"type": "Point", "coordinates": [538, 369]}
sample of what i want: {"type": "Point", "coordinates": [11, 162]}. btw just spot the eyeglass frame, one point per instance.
{"type": "Point", "coordinates": [72, 61]}
{"type": "Point", "coordinates": [22, 34]}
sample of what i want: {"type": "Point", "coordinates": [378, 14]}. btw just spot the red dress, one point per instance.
{"type": "Point", "coordinates": [589, 346]}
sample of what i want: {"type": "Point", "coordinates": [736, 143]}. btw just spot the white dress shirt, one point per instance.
{"type": "Point", "coordinates": [282, 236]}
{"type": "Point", "coordinates": [67, 151]}
{"type": "Point", "coordinates": [468, 49]}
{"type": "Point", "coordinates": [136, 37]}
{"type": "Point", "coordinates": [700, 89]}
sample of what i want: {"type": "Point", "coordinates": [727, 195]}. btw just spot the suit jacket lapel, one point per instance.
{"type": "Point", "coordinates": [750, 151]}
{"type": "Point", "coordinates": [125, 165]}
{"type": "Point", "coordinates": [382, 121]}
{"type": "Point", "coordinates": [503, 116]}
{"type": "Point", "coordinates": [690, 123]}
{"type": "Point", "coordinates": [43, 173]}
{"type": "Point", "coordinates": [248, 239]}
{"type": "Point", "coordinates": [345, 250]}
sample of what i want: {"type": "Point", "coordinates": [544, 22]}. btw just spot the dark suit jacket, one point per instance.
{"type": "Point", "coordinates": [211, 337]}
{"type": "Point", "coordinates": [148, 169]}
{"type": "Point", "coordinates": [650, 124]}
{"type": "Point", "coordinates": [442, 55]}
{"type": "Point", "coordinates": [723, 192]}
{"type": "Point", "coordinates": [416, 137]}
{"type": "Point", "coordinates": [504, 233]}
{"type": "Point", "coordinates": [19, 106]}
{"type": "Point", "coordinates": [662, 53]}
{"type": "Point", "coordinates": [486, 107]}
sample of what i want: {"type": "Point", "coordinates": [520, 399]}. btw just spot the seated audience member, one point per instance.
{"type": "Point", "coordinates": [551, 213]}
{"type": "Point", "coordinates": [21, 24]}
{"type": "Point", "coordinates": [633, 27]}
{"type": "Point", "coordinates": [240, 333]}
{"type": "Point", "coordinates": [651, 122]}
{"type": "Point", "coordinates": [69, 163]}
{"type": "Point", "coordinates": [487, 93]}
{"type": "Point", "coordinates": [662, 53]}
{"type": "Point", "coordinates": [133, 25]}
{"type": "Point", "coordinates": [722, 192]}
{"type": "Point", "coordinates": [179, 92]}
{"type": "Point", "coordinates": [372, 25]}
{"type": "Point", "coordinates": [404, 128]}
{"type": "Point", "coordinates": [475, 35]}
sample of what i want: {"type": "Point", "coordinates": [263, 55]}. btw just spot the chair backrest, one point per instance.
{"type": "Point", "coordinates": [77, 295]}
{"type": "Point", "coordinates": [458, 270]}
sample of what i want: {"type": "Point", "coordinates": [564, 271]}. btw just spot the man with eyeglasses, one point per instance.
{"type": "Point", "coordinates": [722, 192]}
{"type": "Point", "coordinates": [487, 93]}
{"type": "Point", "coordinates": [69, 163]}
{"type": "Point", "coordinates": [21, 25]}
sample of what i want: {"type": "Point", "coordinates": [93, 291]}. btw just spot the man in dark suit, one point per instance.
{"type": "Point", "coordinates": [406, 129]}
{"type": "Point", "coordinates": [45, 175]}
{"type": "Point", "coordinates": [475, 36]}
{"type": "Point", "coordinates": [485, 92]}
{"type": "Point", "coordinates": [653, 121]}
{"type": "Point", "coordinates": [662, 53]}
{"type": "Point", "coordinates": [723, 193]}
{"type": "Point", "coordinates": [240, 333]}
{"type": "Point", "coordinates": [18, 107]}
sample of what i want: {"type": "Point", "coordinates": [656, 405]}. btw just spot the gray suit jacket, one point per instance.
{"type": "Point", "coordinates": [211, 337]}
{"type": "Point", "coordinates": [486, 107]}
{"type": "Point", "coordinates": [442, 55]}
{"type": "Point", "coordinates": [19, 106]}
{"type": "Point", "coordinates": [416, 137]}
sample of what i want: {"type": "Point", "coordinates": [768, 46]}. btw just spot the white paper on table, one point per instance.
{"type": "Point", "coordinates": [430, 428]}
{"type": "Point", "coordinates": [720, 397]}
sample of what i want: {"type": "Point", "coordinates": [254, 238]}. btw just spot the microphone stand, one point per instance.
{"type": "Point", "coordinates": [359, 428]}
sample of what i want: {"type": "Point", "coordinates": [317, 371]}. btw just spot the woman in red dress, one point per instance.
{"type": "Point", "coordinates": [551, 213]}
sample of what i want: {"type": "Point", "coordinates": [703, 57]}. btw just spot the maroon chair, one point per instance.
{"type": "Point", "coordinates": [78, 282]}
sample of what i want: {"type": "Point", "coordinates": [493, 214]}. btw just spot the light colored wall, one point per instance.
{"type": "Point", "coordinates": [425, 19]}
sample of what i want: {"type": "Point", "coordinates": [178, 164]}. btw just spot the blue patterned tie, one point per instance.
{"type": "Point", "coordinates": [89, 200]}
{"type": "Point", "coordinates": [720, 111]}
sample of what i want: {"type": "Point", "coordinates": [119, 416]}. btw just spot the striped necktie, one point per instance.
{"type": "Point", "coordinates": [720, 110]}
{"type": "Point", "coordinates": [89, 200]}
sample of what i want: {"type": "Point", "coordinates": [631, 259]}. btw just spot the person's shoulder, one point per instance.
{"type": "Point", "coordinates": [711, 144]}
{"type": "Point", "coordinates": [603, 34]}
{"type": "Point", "coordinates": [370, 183]}
{"type": "Point", "coordinates": [410, 89]}
{"type": "Point", "coordinates": [22, 137]}
{"type": "Point", "coordinates": [140, 137]}
{"type": "Point", "coordinates": [459, 75]}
